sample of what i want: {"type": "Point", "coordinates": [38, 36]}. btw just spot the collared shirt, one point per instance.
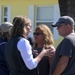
{"type": "Point", "coordinates": [25, 49]}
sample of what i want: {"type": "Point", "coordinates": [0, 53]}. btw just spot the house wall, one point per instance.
{"type": "Point", "coordinates": [20, 7]}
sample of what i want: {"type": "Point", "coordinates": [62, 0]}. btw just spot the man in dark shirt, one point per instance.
{"type": "Point", "coordinates": [64, 59]}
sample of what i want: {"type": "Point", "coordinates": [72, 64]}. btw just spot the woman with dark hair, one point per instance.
{"type": "Point", "coordinates": [27, 37]}
{"type": "Point", "coordinates": [18, 49]}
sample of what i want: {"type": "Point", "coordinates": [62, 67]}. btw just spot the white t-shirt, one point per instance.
{"type": "Point", "coordinates": [25, 49]}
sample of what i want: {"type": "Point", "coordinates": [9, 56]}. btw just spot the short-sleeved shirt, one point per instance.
{"type": "Point", "coordinates": [66, 48]}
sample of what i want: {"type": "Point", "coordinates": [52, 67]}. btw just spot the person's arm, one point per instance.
{"type": "Point", "coordinates": [50, 54]}
{"type": "Point", "coordinates": [61, 65]}
{"type": "Point", "coordinates": [25, 50]}
{"type": "Point", "coordinates": [26, 53]}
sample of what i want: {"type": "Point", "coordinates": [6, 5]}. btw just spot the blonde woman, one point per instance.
{"type": "Point", "coordinates": [43, 37]}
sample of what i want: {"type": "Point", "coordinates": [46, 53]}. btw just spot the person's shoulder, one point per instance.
{"type": "Point", "coordinates": [1, 40]}
{"type": "Point", "coordinates": [70, 35]}
{"type": "Point", "coordinates": [67, 41]}
{"type": "Point", "coordinates": [23, 40]}
{"type": "Point", "coordinates": [30, 39]}
{"type": "Point", "coordinates": [2, 43]}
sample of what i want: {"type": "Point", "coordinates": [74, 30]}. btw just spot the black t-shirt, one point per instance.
{"type": "Point", "coordinates": [67, 48]}
{"type": "Point", "coordinates": [44, 65]}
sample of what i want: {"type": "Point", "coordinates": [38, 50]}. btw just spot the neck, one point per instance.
{"type": "Point", "coordinates": [40, 45]}
{"type": "Point", "coordinates": [69, 32]}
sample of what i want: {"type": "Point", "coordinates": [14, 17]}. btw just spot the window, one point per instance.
{"type": "Point", "coordinates": [45, 15]}
{"type": "Point", "coordinates": [7, 13]}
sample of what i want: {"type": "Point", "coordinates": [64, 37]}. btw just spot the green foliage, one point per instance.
{"type": "Point", "coordinates": [57, 42]}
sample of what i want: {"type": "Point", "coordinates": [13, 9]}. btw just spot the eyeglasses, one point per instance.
{"type": "Point", "coordinates": [37, 33]}
{"type": "Point", "coordinates": [29, 25]}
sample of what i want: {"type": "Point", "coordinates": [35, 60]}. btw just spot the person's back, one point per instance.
{"type": "Point", "coordinates": [15, 61]}
{"type": "Point", "coordinates": [3, 66]}
{"type": "Point", "coordinates": [4, 28]}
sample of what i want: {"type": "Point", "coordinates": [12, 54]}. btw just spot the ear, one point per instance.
{"type": "Point", "coordinates": [68, 26]}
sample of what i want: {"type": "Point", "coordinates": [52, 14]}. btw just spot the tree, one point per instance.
{"type": "Point", "coordinates": [67, 7]}
{"type": "Point", "coordinates": [63, 7]}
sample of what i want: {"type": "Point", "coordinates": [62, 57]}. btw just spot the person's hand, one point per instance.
{"type": "Point", "coordinates": [35, 52]}
{"type": "Point", "coordinates": [44, 52]}
{"type": "Point", "coordinates": [50, 51]}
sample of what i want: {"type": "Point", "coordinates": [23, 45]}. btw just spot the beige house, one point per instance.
{"type": "Point", "coordinates": [39, 11]}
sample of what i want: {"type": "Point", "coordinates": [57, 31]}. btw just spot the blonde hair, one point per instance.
{"type": "Point", "coordinates": [48, 37]}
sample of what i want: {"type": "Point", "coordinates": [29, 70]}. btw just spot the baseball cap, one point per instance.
{"type": "Point", "coordinates": [6, 26]}
{"type": "Point", "coordinates": [65, 20]}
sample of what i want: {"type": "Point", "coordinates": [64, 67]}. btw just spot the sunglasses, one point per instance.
{"type": "Point", "coordinates": [37, 33]}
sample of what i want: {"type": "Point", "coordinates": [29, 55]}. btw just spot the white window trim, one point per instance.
{"type": "Point", "coordinates": [8, 14]}
{"type": "Point", "coordinates": [0, 13]}
{"type": "Point", "coordinates": [31, 16]}
{"type": "Point", "coordinates": [56, 17]}
{"type": "Point", "coordinates": [43, 20]}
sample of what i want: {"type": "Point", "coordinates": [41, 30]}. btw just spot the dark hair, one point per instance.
{"type": "Point", "coordinates": [30, 40]}
{"type": "Point", "coordinates": [19, 22]}
{"type": "Point", "coordinates": [15, 18]}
